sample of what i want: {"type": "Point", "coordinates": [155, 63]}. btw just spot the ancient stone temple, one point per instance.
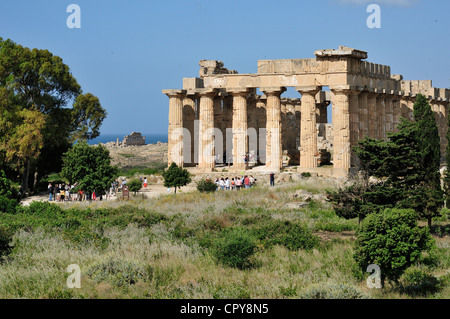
{"type": "Point", "coordinates": [134, 139]}
{"type": "Point", "coordinates": [219, 119]}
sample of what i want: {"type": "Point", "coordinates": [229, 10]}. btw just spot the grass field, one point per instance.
{"type": "Point", "coordinates": [174, 246]}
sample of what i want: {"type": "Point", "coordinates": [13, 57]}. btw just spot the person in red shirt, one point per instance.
{"type": "Point", "coordinates": [246, 181]}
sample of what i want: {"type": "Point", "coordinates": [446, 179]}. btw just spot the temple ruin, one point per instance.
{"type": "Point", "coordinates": [219, 119]}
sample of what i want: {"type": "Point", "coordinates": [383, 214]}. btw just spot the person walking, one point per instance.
{"type": "Point", "coordinates": [50, 192]}
{"type": "Point", "coordinates": [246, 181]}
{"type": "Point", "coordinates": [145, 182]}
{"type": "Point", "coordinates": [272, 179]}
{"type": "Point", "coordinates": [227, 184]}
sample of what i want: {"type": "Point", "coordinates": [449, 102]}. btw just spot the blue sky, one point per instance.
{"type": "Point", "coordinates": [126, 52]}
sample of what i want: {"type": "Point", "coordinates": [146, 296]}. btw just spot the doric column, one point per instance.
{"type": "Point", "coordinates": [381, 120]}
{"type": "Point", "coordinates": [354, 123]}
{"type": "Point", "coordinates": [363, 115]}
{"type": "Point", "coordinates": [240, 139]}
{"type": "Point", "coordinates": [373, 115]}
{"type": "Point", "coordinates": [274, 159]}
{"type": "Point", "coordinates": [175, 138]}
{"type": "Point", "coordinates": [206, 159]}
{"type": "Point", "coordinates": [227, 125]}
{"type": "Point", "coordinates": [397, 112]}
{"type": "Point", "coordinates": [341, 122]}
{"type": "Point", "coordinates": [410, 104]}
{"type": "Point", "coordinates": [188, 123]}
{"type": "Point", "coordinates": [308, 128]}
{"type": "Point", "coordinates": [389, 113]}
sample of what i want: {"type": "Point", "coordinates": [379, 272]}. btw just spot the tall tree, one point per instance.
{"type": "Point", "coordinates": [37, 80]}
{"type": "Point", "coordinates": [406, 168]}
{"type": "Point", "coordinates": [89, 167]}
{"type": "Point", "coordinates": [446, 179]}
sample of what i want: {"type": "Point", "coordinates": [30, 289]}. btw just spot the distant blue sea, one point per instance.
{"type": "Point", "coordinates": [149, 138]}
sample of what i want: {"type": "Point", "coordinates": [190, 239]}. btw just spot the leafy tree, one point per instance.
{"type": "Point", "coordinates": [6, 188]}
{"type": "Point", "coordinates": [406, 168]}
{"type": "Point", "coordinates": [176, 176]}
{"type": "Point", "coordinates": [36, 88]}
{"type": "Point", "coordinates": [392, 240]}
{"type": "Point", "coordinates": [89, 167]}
{"type": "Point", "coordinates": [426, 195]}
{"type": "Point", "coordinates": [446, 178]}
{"type": "Point", "coordinates": [88, 116]}
{"type": "Point", "coordinates": [135, 186]}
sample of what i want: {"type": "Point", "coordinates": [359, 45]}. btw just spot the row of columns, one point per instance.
{"type": "Point", "coordinates": [355, 114]}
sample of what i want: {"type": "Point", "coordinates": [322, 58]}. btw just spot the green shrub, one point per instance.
{"type": "Point", "coordinates": [118, 272]}
{"type": "Point", "coordinates": [7, 205]}
{"type": "Point", "coordinates": [135, 186]}
{"type": "Point", "coordinates": [418, 282]}
{"type": "Point", "coordinates": [306, 174]}
{"type": "Point", "coordinates": [235, 247]}
{"type": "Point", "coordinates": [206, 185]}
{"type": "Point", "coordinates": [285, 233]}
{"type": "Point", "coordinates": [333, 291]}
{"type": "Point", "coordinates": [392, 240]}
{"type": "Point", "coordinates": [5, 239]}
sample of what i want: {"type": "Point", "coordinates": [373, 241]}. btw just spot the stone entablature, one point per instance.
{"type": "Point", "coordinates": [366, 101]}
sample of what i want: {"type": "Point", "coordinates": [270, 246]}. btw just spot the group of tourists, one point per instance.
{"type": "Point", "coordinates": [63, 192]}
{"type": "Point", "coordinates": [235, 183]}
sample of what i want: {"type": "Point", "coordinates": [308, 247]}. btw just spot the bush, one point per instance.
{"type": "Point", "coordinates": [135, 186]}
{"type": "Point", "coordinates": [292, 236]}
{"type": "Point", "coordinates": [235, 248]}
{"type": "Point", "coordinates": [118, 272]}
{"type": "Point", "coordinates": [6, 188]}
{"type": "Point", "coordinates": [7, 205]}
{"type": "Point", "coordinates": [206, 185]}
{"type": "Point", "coordinates": [392, 240]}
{"type": "Point", "coordinates": [5, 239]}
{"type": "Point", "coordinates": [333, 291]}
{"type": "Point", "coordinates": [419, 282]}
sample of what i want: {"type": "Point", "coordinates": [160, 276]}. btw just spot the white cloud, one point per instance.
{"type": "Point", "coordinates": [398, 3]}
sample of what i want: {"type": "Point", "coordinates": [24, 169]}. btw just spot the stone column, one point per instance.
{"type": "Point", "coordinates": [373, 114]}
{"type": "Point", "coordinates": [188, 124]}
{"type": "Point", "coordinates": [274, 153]}
{"type": "Point", "coordinates": [227, 125]}
{"type": "Point", "coordinates": [389, 113]}
{"type": "Point", "coordinates": [354, 123]}
{"type": "Point", "coordinates": [240, 139]}
{"type": "Point", "coordinates": [397, 112]}
{"type": "Point", "coordinates": [218, 127]}
{"type": "Point", "coordinates": [341, 122]}
{"type": "Point", "coordinates": [175, 138]}
{"type": "Point", "coordinates": [381, 111]}
{"type": "Point", "coordinates": [411, 100]}
{"type": "Point", "coordinates": [404, 105]}
{"type": "Point", "coordinates": [308, 128]}
{"type": "Point", "coordinates": [206, 160]}
{"type": "Point", "coordinates": [363, 115]}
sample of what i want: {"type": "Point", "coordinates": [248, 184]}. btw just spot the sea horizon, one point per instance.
{"type": "Point", "coordinates": [149, 138]}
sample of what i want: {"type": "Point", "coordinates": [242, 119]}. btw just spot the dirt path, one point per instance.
{"type": "Point", "coordinates": [151, 192]}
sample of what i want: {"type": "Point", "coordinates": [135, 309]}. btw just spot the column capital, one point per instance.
{"type": "Point", "coordinates": [174, 92]}
{"type": "Point", "coordinates": [346, 89]}
{"type": "Point", "coordinates": [209, 92]}
{"type": "Point", "coordinates": [313, 90]}
{"type": "Point", "coordinates": [239, 91]}
{"type": "Point", "coordinates": [270, 91]}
